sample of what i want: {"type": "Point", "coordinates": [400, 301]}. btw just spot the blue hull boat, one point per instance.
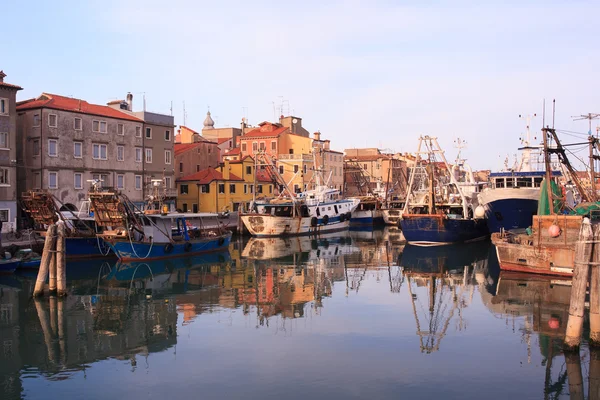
{"type": "Point", "coordinates": [427, 229]}
{"type": "Point", "coordinates": [85, 247]}
{"type": "Point", "coordinates": [132, 251]}
{"type": "Point", "coordinates": [510, 214]}
{"type": "Point", "coordinates": [9, 266]}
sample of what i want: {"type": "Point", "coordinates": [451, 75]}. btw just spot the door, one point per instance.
{"type": "Point", "coordinates": [195, 207]}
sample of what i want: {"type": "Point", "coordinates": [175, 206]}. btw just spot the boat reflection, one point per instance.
{"type": "Point", "coordinates": [441, 284]}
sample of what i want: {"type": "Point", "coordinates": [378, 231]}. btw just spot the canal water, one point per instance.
{"type": "Point", "coordinates": [357, 315]}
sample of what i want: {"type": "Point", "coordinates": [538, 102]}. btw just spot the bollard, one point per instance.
{"type": "Point", "coordinates": [61, 266]}
{"type": "Point", "coordinates": [45, 330]}
{"type": "Point", "coordinates": [52, 273]}
{"type": "Point", "coordinates": [595, 290]}
{"type": "Point", "coordinates": [583, 254]}
{"type": "Point", "coordinates": [45, 263]}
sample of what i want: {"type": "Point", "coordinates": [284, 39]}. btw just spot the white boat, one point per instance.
{"type": "Point", "coordinates": [308, 213]}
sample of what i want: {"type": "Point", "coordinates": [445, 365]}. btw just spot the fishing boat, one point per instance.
{"type": "Point", "coordinates": [312, 212]}
{"type": "Point", "coordinates": [81, 241]}
{"type": "Point", "coordinates": [29, 259]}
{"type": "Point", "coordinates": [437, 210]}
{"type": "Point", "coordinates": [511, 198]}
{"type": "Point", "coordinates": [154, 233]}
{"type": "Point", "coordinates": [368, 212]}
{"type": "Point", "coordinates": [547, 246]}
{"type": "Point", "coordinates": [9, 265]}
{"type": "Point", "coordinates": [392, 212]}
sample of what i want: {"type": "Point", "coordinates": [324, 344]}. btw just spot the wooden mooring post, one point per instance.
{"type": "Point", "coordinates": [594, 289]}
{"type": "Point", "coordinates": [574, 375]}
{"type": "Point", "coordinates": [53, 263]}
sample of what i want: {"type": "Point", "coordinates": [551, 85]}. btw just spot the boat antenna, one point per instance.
{"type": "Point", "coordinates": [589, 117]}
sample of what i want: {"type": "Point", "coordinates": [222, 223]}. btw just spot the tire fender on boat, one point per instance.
{"type": "Point", "coordinates": [221, 241]}
{"type": "Point", "coordinates": [342, 217]}
{"type": "Point", "coordinates": [325, 219]}
{"type": "Point", "coordinates": [187, 246]}
{"type": "Point", "coordinates": [314, 221]}
{"type": "Point", "coordinates": [348, 215]}
{"type": "Point", "coordinates": [168, 248]}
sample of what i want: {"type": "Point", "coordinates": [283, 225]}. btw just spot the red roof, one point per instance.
{"type": "Point", "coordinates": [183, 147]}
{"type": "Point", "coordinates": [57, 102]}
{"type": "Point", "coordinates": [208, 175]}
{"type": "Point", "coordinates": [232, 152]}
{"type": "Point", "coordinates": [223, 140]}
{"type": "Point", "coordinates": [265, 129]}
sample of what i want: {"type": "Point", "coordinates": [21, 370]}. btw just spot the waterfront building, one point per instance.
{"type": "Point", "coordinates": [227, 187]}
{"type": "Point", "coordinates": [8, 153]}
{"type": "Point", "coordinates": [194, 153]}
{"type": "Point", "coordinates": [372, 167]}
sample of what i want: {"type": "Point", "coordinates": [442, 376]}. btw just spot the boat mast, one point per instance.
{"type": "Point", "coordinates": [452, 179]}
{"type": "Point", "coordinates": [412, 176]}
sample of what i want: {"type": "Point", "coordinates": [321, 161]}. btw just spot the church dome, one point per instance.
{"type": "Point", "coordinates": [208, 122]}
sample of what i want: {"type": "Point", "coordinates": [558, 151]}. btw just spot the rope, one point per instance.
{"type": "Point", "coordinates": [99, 245]}
{"type": "Point", "coordinates": [131, 242]}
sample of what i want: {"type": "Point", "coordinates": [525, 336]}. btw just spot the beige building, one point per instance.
{"type": "Point", "coordinates": [213, 134]}
{"type": "Point", "coordinates": [368, 170]}
{"type": "Point", "coordinates": [67, 142]}
{"type": "Point", "coordinates": [8, 153]}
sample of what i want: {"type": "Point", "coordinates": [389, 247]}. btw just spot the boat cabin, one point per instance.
{"type": "Point", "coordinates": [179, 226]}
{"type": "Point", "coordinates": [532, 179]}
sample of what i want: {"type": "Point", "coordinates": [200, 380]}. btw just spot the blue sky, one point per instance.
{"type": "Point", "coordinates": [364, 73]}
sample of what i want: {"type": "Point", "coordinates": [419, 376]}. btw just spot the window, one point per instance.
{"type": "Point", "coordinates": [99, 151]}
{"type": "Point", "coordinates": [4, 215]}
{"type": "Point", "coordinates": [209, 149]}
{"type": "Point", "coordinates": [232, 188]}
{"type": "Point", "coordinates": [149, 156]}
{"type": "Point", "coordinates": [274, 145]}
{"type": "Point", "coordinates": [77, 124]}
{"type": "Point", "coordinates": [167, 136]}
{"type": "Point", "coordinates": [195, 207]}
{"type": "Point", "coordinates": [120, 129]}
{"type": "Point", "coordinates": [281, 169]}
{"type": "Point", "coordinates": [259, 189]}
{"type": "Point", "coordinates": [52, 180]}
{"type": "Point", "coordinates": [138, 154]}
{"type": "Point", "coordinates": [184, 207]}
{"type": "Point", "coordinates": [36, 119]}
{"type": "Point", "coordinates": [99, 126]}
{"type": "Point", "coordinates": [138, 182]}
{"type": "Point", "coordinates": [204, 188]}
{"type": "Point", "coordinates": [270, 189]}
{"type": "Point", "coordinates": [102, 127]}
{"type": "Point", "coordinates": [262, 146]}
{"type": "Point", "coordinates": [251, 189]}
{"type": "Point", "coordinates": [221, 188]}
{"type": "Point", "coordinates": [249, 170]}
{"type": "Point", "coordinates": [181, 167]}
{"type": "Point", "coordinates": [148, 133]}
{"type": "Point", "coordinates": [78, 180]}
{"type": "Point", "coordinates": [183, 189]}
{"type": "Point", "coordinates": [254, 147]}
{"type": "Point", "coordinates": [243, 147]}
{"type": "Point", "coordinates": [37, 180]}
{"type": "Point", "coordinates": [120, 153]}
{"type": "Point", "coordinates": [304, 168]}
{"type": "Point", "coordinates": [296, 168]}
{"type": "Point", "coordinates": [168, 182]}
{"type": "Point", "coordinates": [4, 176]}
{"type": "Point", "coordinates": [53, 148]}
{"type": "Point", "coordinates": [3, 106]}
{"type": "Point", "coordinates": [36, 147]}
{"type": "Point", "coordinates": [167, 156]}
{"type": "Point", "coordinates": [52, 120]}
{"type": "Point", "coordinates": [4, 140]}
{"type": "Point", "coordinates": [245, 188]}
{"type": "Point", "coordinates": [77, 149]}
{"type": "Point", "coordinates": [138, 131]}
{"type": "Point", "coordinates": [197, 167]}
{"type": "Point", "coordinates": [364, 166]}
{"type": "Point", "coordinates": [296, 188]}
{"type": "Point", "coordinates": [120, 181]}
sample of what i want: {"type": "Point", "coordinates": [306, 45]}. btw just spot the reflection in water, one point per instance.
{"type": "Point", "coordinates": [405, 312]}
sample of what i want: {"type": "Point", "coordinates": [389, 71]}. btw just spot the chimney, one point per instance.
{"type": "Point", "coordinates": [129, 101]}
{"type": "Point", "coordinates": [2, 75]}
{"type": "Point", "coordinates": [226, 169]}
{"type": "Point", "coordinates": [317, 135]}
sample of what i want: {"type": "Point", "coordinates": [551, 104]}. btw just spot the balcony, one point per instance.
{"type": "Point", "coordinates": [303, 157]}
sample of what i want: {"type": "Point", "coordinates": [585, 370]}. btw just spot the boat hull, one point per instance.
{"type": "Point", "coordinates": [367, 217]}
{"type": "Point", "coordinates": [263, 225]}
{"type": "Point", "coordinates": [136, 251]}
{"type": "Point", "coordinates": [85, 247]}
{"type": "Point", "coordinates": [427, 229]}
{"type": "Point", "coordinates": [9, 266]}
{"type": "Point", "coordinates": [509, 208]}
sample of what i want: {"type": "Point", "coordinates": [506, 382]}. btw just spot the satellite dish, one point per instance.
{"type": "Point", "coordinates": [294, 121]}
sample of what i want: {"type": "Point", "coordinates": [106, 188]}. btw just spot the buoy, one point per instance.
{"type": "Point", "coordinates": [479, 212]}
{"type": "Point", "coordinates": [554, 231]}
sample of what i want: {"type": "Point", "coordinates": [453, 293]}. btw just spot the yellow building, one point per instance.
{"type": "Point", "coordinates": [227, 187]}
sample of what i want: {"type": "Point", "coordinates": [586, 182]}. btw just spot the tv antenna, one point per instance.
{"type": "Point", "coordinates": [589, 117]}
{"type": "Point", "coordinates": [459, 144]}
{"type": "Point", "coordinates": [184, 114]}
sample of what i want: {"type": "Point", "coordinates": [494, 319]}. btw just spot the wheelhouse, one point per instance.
{"type": "Point", "coordinates": [533, 179]}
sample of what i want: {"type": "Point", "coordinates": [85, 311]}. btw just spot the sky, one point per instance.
{"type": "Point", "coordinates": [363, 73]}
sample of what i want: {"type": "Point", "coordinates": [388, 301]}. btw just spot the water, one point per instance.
{"type": "Point", "coordinates": [356, 315]}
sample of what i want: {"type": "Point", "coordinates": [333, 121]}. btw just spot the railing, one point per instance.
{"type": "Point", "coordinates": [307, 157]}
